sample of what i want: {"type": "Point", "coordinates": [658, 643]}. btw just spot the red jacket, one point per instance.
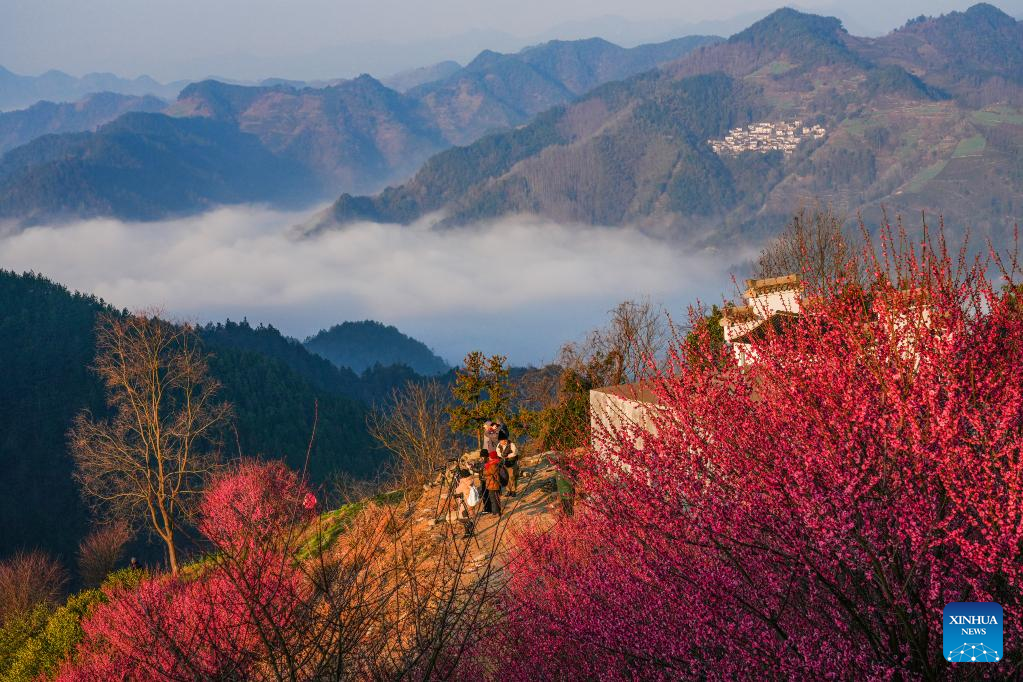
{"type": "Point", "coordinates": [490, 476]}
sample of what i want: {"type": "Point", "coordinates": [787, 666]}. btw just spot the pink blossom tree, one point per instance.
{"type": "Point", "coordinates": [219, 626]}
{"type": "Point", "coordinates": [805, 517]}
{"type": "Point", "coordinates": [236, 617]}
{"type": "Point", "coordinates": [255, 503]}
{"type": "Point", "coordinates": [377, 603]}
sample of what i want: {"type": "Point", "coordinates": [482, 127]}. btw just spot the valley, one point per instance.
{"type": "Point", "coordinates": [681, 357]}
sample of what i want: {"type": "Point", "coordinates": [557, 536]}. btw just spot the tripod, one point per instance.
{"type": "Point", "coordinates": [460, 507]}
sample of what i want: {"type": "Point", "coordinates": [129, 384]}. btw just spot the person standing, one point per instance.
{"type": "Point", "coordinates": [492, 480]}
{"type": "Point", "coordinates": [490, 435]}
{"type": "Point", "coordinates": [565, 485]}
{"type": "Point", "coordinates": [509, 453]}
{"type": "Point", "coordinates": [479, 466]}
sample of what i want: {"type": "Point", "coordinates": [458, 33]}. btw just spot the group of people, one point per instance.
{"type": "Point", "coordinates": [500, 458]}
{"type": "Point", "coordinates": [498, 470]}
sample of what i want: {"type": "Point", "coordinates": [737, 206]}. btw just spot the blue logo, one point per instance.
{"type": "Point", "coordinates": [972, 632]}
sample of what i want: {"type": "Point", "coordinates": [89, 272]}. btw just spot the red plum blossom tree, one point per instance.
{"type": "Point", "coordinates": [804, 517]}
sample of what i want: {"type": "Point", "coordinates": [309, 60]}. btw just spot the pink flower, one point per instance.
{"type": "Point", "coordinates": [254, 503]}
{"type": "Point", "coordinates": [212, 627]}
{"type": "Point", "coordinates": [804, 517]}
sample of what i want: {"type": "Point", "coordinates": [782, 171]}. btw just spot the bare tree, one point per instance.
{"type": "Point", "coordinates": [380, 597]}
{"type": "Point", "coordinates": [415, 428]}
{"type": "Point", "coordinates": [814, 246]}
{"type": "Point", "coordinates": [635, 336]}
{"type": "Point", "coordinates": [101, 551]}
{"type": "Point", "coordinates": [28, 579]}
{"type": "Point", "coordinates": [145, 463]}
{"type": "Point", "coordinates": [624, 351]}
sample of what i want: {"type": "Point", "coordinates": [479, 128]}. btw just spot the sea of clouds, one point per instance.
{"type": "Point", "coordinates": [519, 286]}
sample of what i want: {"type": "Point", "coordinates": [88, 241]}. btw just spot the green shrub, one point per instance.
{"type": "Point", "coordinates": [128, 578]}
{"type": "Point", "coordinates": [17, 634]}
{"type": "Point", "coordinates": [35, 644]}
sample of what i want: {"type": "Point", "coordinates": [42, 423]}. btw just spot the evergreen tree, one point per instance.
{"type": "Point", "coordinates": [481, 392]}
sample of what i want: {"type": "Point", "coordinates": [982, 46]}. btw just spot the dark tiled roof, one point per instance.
{"type": "Point", "coordinates": [778, 322]}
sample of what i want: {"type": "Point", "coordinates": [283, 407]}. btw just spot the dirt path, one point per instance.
{"type": "Point", "coordinates": [535, 506]}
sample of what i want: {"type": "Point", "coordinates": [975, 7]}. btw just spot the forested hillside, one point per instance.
{"type": "Point", "coordinates": [904, 128]}
{"type": "Point", "coordinates": [385, 358]}
{"type": "Point", "coordinates": [45, 118]}
{"type": "Point", "coordinates": [976, 54]}
{"type": "Point", "coordinates": [358, 133]}
{"type": "Point", "coordinates": [145, 166]}
{"type": "Point", "coordinates": [622, 152]}
{"type": "Point", "coordinates": [284, 143]}
{"type": "Point", "coordinates": [47, 338]}
{"type": "Point", "coordinates": [363, 345]}
{"type": "Point", "coordinates": [47, 345]}
{"type": "Point", "coordinates": [497, 91]}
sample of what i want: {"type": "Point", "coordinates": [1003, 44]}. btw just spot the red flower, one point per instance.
{"type": "Point", "coordinates": [804, 517]}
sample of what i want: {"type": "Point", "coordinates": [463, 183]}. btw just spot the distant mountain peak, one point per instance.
{"type": "Point", "coordinates": [212, 85]}
{"type": "Point", "coordinates": [406, 80]}
{"type": "Point", "coordinates": [20, 92]}
{"type": "Point", "coordinates": [811, 38]}
{"type": "Point", "coordinates": [573, 44]}
{"type": "Point", "coordinates": [990, 13]}
{"type": "Point", "coordinates": [365, 78]}
{"type": "Point", "coordinates": [362, 345]}
{"type": "Point", "coordinates": [786, 23]}
{"type": "Point", "coordinates": [484, 59]}
{"type": "Point", "coordinates": [974, 46]}
{"type": "Point", "coordinates": [365, 83]}
{"type": "Point", "coordinates": [978, 18]}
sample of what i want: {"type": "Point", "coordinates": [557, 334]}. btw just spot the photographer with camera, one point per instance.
{"type": "Point", "coordinates": [491, 435]}
{"type": "Point", "coordinates": [466, 499]}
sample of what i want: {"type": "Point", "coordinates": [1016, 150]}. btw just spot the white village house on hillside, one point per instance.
{"type": "Point", "coordinates": [770, 304]}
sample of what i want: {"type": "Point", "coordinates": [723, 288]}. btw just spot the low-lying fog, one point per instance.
{"type": "Point", "coordinates": [518, 286]}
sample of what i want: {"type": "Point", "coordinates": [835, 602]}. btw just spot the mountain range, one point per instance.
{"type": "Point", "coordinates": [89, 113]}
{"type": "Point", "coordinates": [18, 92]}
{"type": "Point", "coordinates": [145, 166]}
{"type": "Point", "coordinates": [356, 135]}
{"type": "Point", "coordinates": [925, 118]}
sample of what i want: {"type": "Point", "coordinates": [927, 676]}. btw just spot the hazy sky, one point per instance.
{"type": "Point", "coordinates": [306, 39]}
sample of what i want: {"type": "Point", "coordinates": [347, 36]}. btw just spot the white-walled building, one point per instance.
{"type": "Point", "coordinates": [613, 407]}
{"type": "Point", "coordinates": [770, 304]}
